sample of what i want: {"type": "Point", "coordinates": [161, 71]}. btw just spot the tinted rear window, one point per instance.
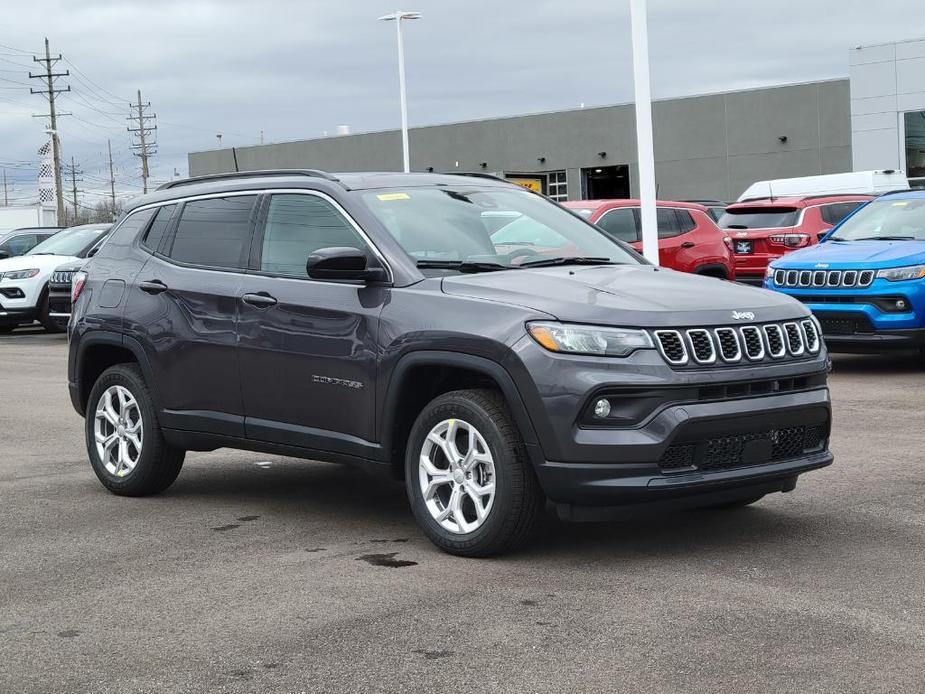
{"type": "Point", "coordinates": [759, 218]}
{"type": "Point", "coordinates": [215, 232]}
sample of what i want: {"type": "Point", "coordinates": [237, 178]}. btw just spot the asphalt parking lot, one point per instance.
{"type": "Point", "coordinates": [264, 574]}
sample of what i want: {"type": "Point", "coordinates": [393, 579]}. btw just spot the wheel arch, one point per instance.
{"type": "Point", "coordinates": [99, 351]}
{"type": "Point", "coordinates": [421, 376]}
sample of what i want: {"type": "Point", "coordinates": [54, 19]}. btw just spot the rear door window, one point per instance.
{"type": "Point", "coordinates": [215, 232]}
{"type": "Point", "coordinates": [759, 217]}
{"type": "Point", "coordinates": [620, 223]}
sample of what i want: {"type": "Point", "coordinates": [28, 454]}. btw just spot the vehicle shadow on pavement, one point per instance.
{"type": "Point", "coordinates": [887, 363]}
{"type": "Point", "coordinates": [312, 494]}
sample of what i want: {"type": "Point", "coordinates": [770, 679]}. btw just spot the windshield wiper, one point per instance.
{"type": "Point", "coordinates": [461, 265]}
{"type": "Point", "coordinates": [886, 238]}
{"type": "Point", "coordinates": [736, 226]}
{"type": "Point", "coordinates": [562, 260]}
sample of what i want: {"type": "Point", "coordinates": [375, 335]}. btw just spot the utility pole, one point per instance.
{"type": "Point", "coordinates": [6, 195]}
{"type": "Point", "coordinates": [112, 180]}
{"type": "Point", "coordinates": [50, 91]}
{"type": "Point", "coordinates": [145, 134]}
{"type": "Point", "coordinates": [73, 173]}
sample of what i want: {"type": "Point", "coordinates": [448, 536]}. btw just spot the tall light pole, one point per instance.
{"type": "Point", "coordinates": [644, 145]}
{"type": "Point", "coordinates": [397, 17]}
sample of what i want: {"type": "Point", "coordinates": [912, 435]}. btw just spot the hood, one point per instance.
{"type": "Point", "coordinates": [850, 254]}
{"type": "Point", "coordinates": [43, 262]}
{"type": "Point", "coordinates": [627, 295]}
{"type": "Point", "coordinates": [73, 266]}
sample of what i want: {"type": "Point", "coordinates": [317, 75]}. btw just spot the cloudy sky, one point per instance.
{"type": "Point", "coordinates": [296, 69]}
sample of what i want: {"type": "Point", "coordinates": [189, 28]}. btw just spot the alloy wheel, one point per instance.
{"type": "Point", "coordinates": [456, 473]}
{"type": "Point", "coordinates": [118, 431]}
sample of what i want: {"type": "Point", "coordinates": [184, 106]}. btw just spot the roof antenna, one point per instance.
{"type": "Point", "coordinates": [770, 187]}
{"type": "Point", "coordinates": [234, 153]}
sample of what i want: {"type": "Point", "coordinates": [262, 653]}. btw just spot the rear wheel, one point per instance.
{"type": "Point", "coordinates": [470, 483]}
{"type": "Point", "coordinates": [124, 440]}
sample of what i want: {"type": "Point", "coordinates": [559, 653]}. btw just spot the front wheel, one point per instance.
{"type": "Point", "coordinates": [470, 483]}
{"type": "Point", "coordinates": [51, 325]}
{"type": "Point", "coordinates": [124, 440]}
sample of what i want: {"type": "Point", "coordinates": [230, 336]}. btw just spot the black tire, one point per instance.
{"type": "Point", "coordinates": [51, 325]}
{"type": "Point", "coordinates": [7, 329]}
{"type": "Point", "coordinates": [737, 503]}
{"type": "Point", "coordinates": [158, 464]}
{"type": "Point", "coordinates": [518, 500]}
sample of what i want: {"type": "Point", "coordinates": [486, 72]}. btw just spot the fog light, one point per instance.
{"type": "Point", "coordinates": [602, 408]}
{"type": "Point", "coordinates": [900, 305]}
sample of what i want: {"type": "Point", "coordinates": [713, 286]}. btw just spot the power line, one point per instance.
{"type": "Point", "coordinates": [50, 92]}
{"type": "Point", "coordinates": [145, 133]}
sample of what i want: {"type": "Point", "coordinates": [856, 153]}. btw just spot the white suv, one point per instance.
{"type": "Point", "coordinates": [24, 279]}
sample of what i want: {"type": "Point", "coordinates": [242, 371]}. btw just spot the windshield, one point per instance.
{"type": "Point", "coordinates": [71, 241]}
{"type": "Point", "coordinates": [886, 219]}
{"type": "Point", "coordinates": [487, 228]}
{"type": "Point", "coordinates": [759, 218]}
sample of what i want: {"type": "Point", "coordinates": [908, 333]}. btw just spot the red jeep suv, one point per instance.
{"type": "Point", "coordinates": [688, 238]}
{"type": "Point", "coordinates": [764, 229]}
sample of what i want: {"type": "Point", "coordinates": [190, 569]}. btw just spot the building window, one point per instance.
{"type": "Point", "coordinates": [557, 186]}
{"type": "Point", "coordinates": [915, 148]}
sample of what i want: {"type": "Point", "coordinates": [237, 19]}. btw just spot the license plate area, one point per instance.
{"type": "Point", "coordinates": [743, 247]}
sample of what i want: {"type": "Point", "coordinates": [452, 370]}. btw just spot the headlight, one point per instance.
{"type": "Point", "coordinates": [769, 272]}
{"type": "Point", "coordinates": [898, 274]}
{"type": "Point", "coordinates": [20, 274]}
{"type": "Point", "coordinates": [589, 339]}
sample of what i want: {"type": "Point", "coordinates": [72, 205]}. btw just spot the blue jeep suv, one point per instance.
{"type": "Point", "coordinates": [865, 283]}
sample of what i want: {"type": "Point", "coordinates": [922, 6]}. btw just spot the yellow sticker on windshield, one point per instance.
{"type": "Point", "coordinates": [393, 196]}
{"type": "Point", "coordinates": [901, 204]}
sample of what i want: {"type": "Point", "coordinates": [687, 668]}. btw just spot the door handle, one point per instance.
{"type": "Point", "coordinates": [688, 244]}
{"type": "Point", "coordinates": [259, 300]}
{"type": "Point", "coordinates": [152, 286]}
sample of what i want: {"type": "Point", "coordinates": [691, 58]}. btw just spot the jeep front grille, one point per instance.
{"type": "Point", "coordinates": [58, 277]}
{"type": "Point", "coordinates": [830, 279]}
{"type": "Point", "coordinates": [738, 344]}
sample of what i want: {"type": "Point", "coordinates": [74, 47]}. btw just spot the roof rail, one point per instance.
{"type": "Point", "coordinates": [898, 190]}
{"type": "Point", "coordinates": [476, 174]}
{"type": "Point", "coordinates": [814, 196]}
{"type": "Point", "coordinates": [312, 173]}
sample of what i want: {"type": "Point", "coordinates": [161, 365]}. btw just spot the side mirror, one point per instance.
{"type": "Point", "coordinates": [342, 263]}
{"type": "Point", "coordinates": [4, 255]}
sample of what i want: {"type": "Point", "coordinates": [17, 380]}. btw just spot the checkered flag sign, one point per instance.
{"type": "Point", "coordinates": [46, 174]}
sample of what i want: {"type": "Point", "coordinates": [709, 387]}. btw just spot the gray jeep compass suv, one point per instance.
{"type": "Point", "coordinates": [491, 348]}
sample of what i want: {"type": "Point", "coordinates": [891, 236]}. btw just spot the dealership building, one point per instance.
{"type": "Point", "coordinates": [708, 146]}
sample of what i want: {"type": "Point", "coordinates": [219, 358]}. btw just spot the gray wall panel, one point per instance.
{"type": "Point", "coordinates": [706, 146]}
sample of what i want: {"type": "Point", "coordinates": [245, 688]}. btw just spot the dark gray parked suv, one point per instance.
{"type": "Point", "coordinates": [371, 319]}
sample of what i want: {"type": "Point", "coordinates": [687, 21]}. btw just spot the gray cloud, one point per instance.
{"type": "Point", "coordinates": [297, 69]}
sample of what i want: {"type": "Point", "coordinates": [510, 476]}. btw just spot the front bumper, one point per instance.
{"type": "Point", "coordinates": [732, 448]}
{"type": "Point", "coordinates": [59, 302]}
{"type": "Point", "coordinates": [674, 434]}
